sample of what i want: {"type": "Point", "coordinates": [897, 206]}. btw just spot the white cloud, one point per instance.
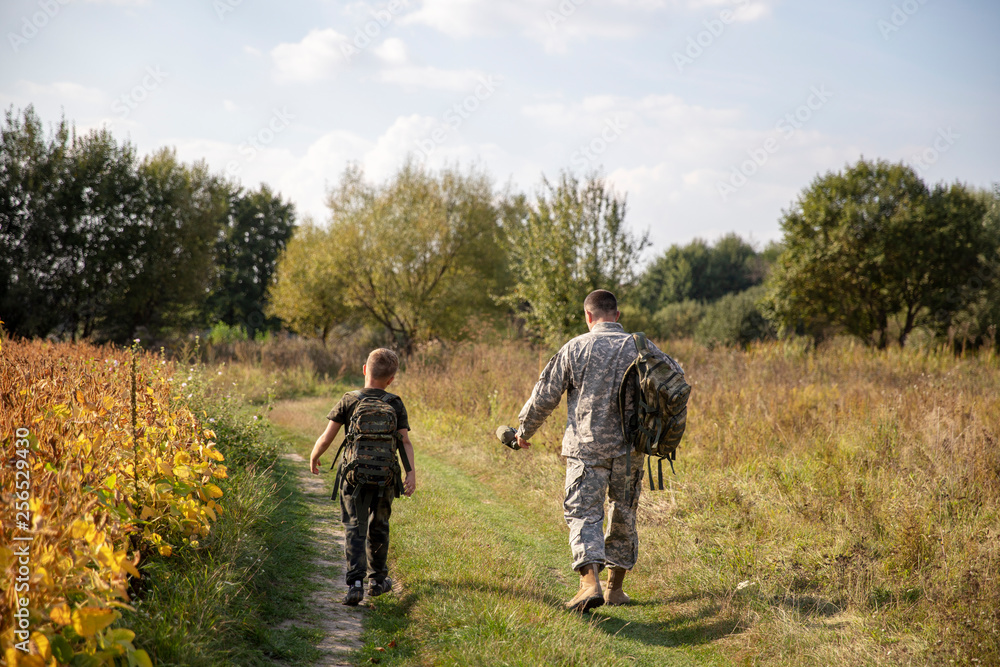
{"type": "Point", "coordinates": [229, 106]}
{"type": "Point", "coordinates": [120, 3]}
{"type": "Point", "coordinates": [392, 51]}
{"type": "Point", "coordinates": [670, 156]}
{"type": "Point", "coordinates": [552, 23]}
{"type": "Point", "coordinates": [463, 80]}
{"type": "Point", "coordinates": [743, 10]}
{"type": "Point", "coordinates": [555, 24]}
{"type": "Point", "coordinates": [400, 71]}
{"type": "Point", "coordinates": [319, 55]}
{"type": "Point", "coordinates": [66, 91]}
{"type": "Point", "coordinates": [462, 18]}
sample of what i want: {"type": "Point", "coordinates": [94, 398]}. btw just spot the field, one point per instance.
{"type": "Point", "coordinates": [831, 506]}
{"type": "Point", "coordinates": [837, 506]}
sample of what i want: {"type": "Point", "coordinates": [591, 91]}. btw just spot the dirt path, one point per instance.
{"type": "Point", "coordinates": [340, 625]}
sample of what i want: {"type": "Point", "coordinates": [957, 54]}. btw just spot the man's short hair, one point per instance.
{"type": "Point", "coordinates": [601, 302]}
{"type": "Point", "coordinates": [382, 363]}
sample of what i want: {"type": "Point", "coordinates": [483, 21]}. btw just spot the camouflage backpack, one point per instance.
{"type": "Point", "coordinates": [370, 444]}
{"type": "Point", "coordinates": [656, 425]}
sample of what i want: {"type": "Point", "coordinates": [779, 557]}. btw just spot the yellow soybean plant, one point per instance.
{"type": "Point", "coordinates": [102, 466]}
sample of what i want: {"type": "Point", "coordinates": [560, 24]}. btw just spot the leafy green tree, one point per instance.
{"type": "Point", "coordinates": [186, 207]}
{"type": "Point", "coordinates": [97, 243]}
{"type": "Point", "coordinates": [103, 208]}
{"type": "Point", "coordinates": [872, 246]}
{"type": "Point", "coordinates": [256, 229]}
{"type": "Point", "coordinates": [700, 272]}
{"type": "Point", "coordinates": [72, 207]}
{"type": "Point", "coordinates": [309, 289]}
{"type": "Point", "coordinates": [572, 240]}
{"type": "Point", "coordinates": [979, 322]}
{"type": "Point", "coordinates": [670, 277]}
{"type": "Point", "coordinates": [30, 167]}
{"type": "Point", "coordinates": [420, 255]}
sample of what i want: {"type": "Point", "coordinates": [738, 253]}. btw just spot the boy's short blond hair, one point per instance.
{"type": "Point", "coordinates": [382, 363]}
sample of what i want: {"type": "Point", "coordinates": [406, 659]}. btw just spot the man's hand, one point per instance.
{"type": "Point", "coordinates": [314, 465]}
{"type": "Point", "coordinates": [410, 483]}
{"type": "Point", "coordinates": [522, 443]}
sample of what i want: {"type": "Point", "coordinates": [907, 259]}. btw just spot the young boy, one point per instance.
{"type": "Point", "coordinates": [366, 513]}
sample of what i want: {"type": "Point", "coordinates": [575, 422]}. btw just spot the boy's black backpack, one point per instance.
{"type": "Point", "coordinates": [370, 445]}
{"type": "Point", "coordinates": [657, 424]}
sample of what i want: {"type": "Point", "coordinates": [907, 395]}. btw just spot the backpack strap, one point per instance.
{"type": "Point", "coordinates": [632, 372]}
{"type": "Point", "coordinates": [387, 398]}
{"type": "Point", "coordinates": [404, 459]}
{"type": "Point", "coordinates": [641, 344]}
{"type": "Point", "coordinates": [336, 480]}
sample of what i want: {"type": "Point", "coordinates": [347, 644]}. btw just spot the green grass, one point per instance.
{"type": "Point", "coordinates": [485, 570]}
{"type": "Point", "coordinates": [831, 507]}
{"type": "Point", "coordinates": [227, 602]}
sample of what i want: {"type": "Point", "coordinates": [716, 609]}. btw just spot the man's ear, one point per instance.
{"type": "Point", "coordinates": [590, 316]}
{"type": "Point", "coordinates": [364, 369]}
{"type": "Point", "coordinates": [391, 378]}
{"type": "Point", "coordinates": [618, 314]}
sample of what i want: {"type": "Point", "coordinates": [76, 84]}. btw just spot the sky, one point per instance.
{"type": "Point", "coordinates": [710, 116]}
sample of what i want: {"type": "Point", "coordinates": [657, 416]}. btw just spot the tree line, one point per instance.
{"type": "Point", "coordinates": [101, 244]}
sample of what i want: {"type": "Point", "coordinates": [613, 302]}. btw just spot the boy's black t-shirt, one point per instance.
{"type": "Point", "coordinates": [344, 408]}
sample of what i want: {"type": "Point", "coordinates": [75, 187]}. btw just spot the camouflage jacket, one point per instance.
{"type": "Point", "coordinates": [589, 369]}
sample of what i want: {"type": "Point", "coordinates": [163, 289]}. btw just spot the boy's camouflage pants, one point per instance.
{"type": "Point", "coordinates": [587, 484]}
{"type": "Point", "coordinates": [366, 532]}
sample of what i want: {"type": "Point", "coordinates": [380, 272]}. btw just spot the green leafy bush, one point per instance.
{"type": "Point", "coordinates": [679, 320]}
{"type": "Point", "coordinates": [735, 319]}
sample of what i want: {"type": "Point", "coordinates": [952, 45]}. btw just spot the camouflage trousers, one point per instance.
{"type": "Point", "coordinates": [366, 533]}
{"type": "Point", "coordinates": [588, 482]}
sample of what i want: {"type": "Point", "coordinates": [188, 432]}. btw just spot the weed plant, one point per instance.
{"type": "Point", "coordinates": [831, 506]}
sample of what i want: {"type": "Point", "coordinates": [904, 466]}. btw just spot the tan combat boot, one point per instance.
{"type": "Point", "coordinates": [589, 596]}
{"type": "Point", "coordinates": [614, 595]}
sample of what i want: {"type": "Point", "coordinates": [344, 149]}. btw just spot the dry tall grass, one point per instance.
{"type": "Point", "coordinates": [837, 506]}
{"type": "Point", "coordinates": [283, 366]}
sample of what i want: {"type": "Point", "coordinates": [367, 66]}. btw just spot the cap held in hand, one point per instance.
{"type": "Point", "coordinates": [508, 436]}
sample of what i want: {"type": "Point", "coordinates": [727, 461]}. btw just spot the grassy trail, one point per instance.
{"type": "Point", "coordinates": [484, 570]}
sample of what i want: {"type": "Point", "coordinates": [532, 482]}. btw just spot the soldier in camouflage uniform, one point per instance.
{"type": "Point", "coordinates": [589, 369]}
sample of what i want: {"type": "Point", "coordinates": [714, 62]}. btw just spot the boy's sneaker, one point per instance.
{"type": "Point", "coordinates": [376, 588]}
{"type": "Point", "coordinates": [354, 594]}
